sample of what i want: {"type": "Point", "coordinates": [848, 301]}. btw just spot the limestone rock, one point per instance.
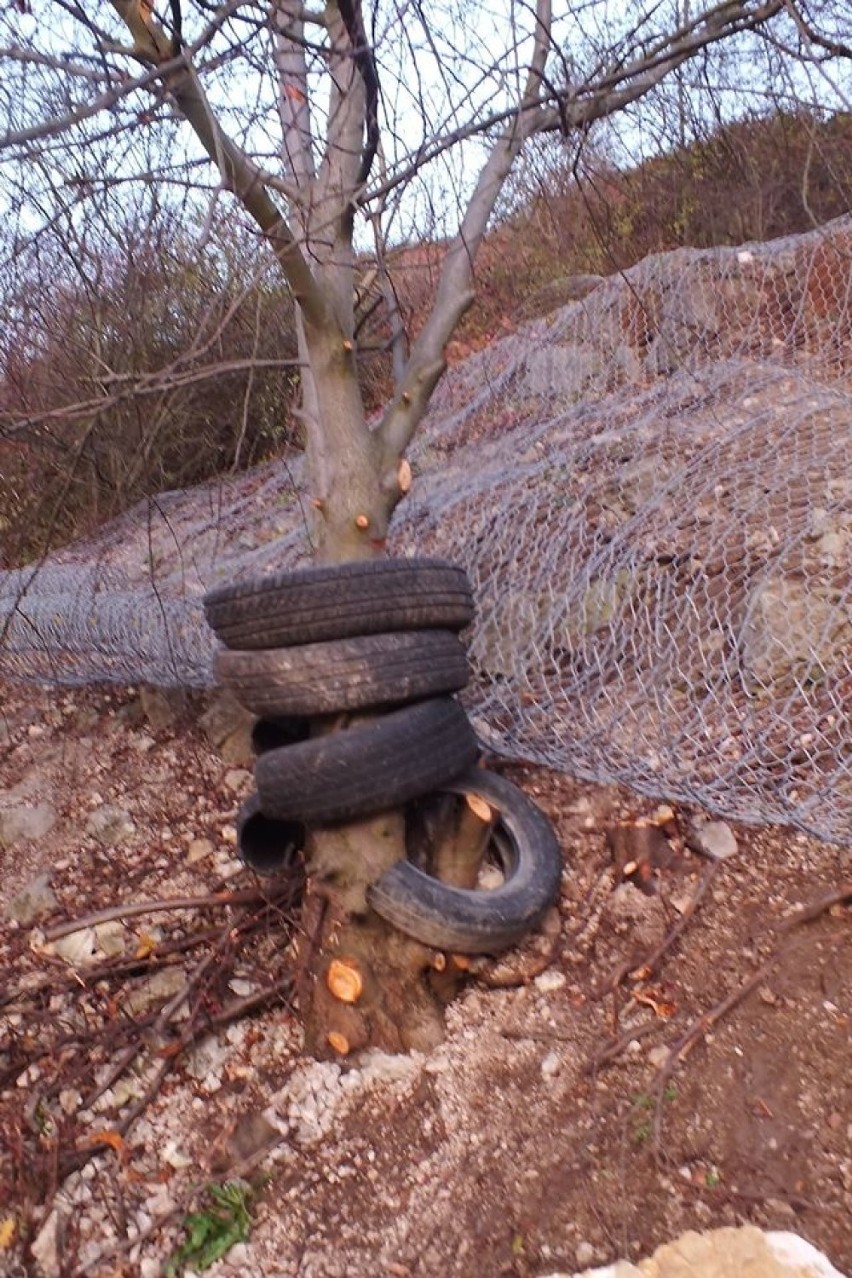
{"type": "Point", "coordinates": [243, 1138]}
{"type": "Point", "coordinates": [77, 947]}
{"type": "Point", "coordinates": [560, 292]}
{"type": "Point", "coordinates": [724, 1253]}
{"type": "Point", "coordinates": [110, 824]}
{"type": "Point", "coordinates": [162, 706]}
{"type": "Point", "coordinates": [564, 369]}
{"type": "Point", "coordinates": [111, 937]}
{"type": "Point", "coordinates": [631, 913]}
{"type": "Point", "coordinates": [25, 821]}
{"type": "Point", "coordinates": [713, 839]}
{"type": "Point", "coordinates": [47, 1247]}
{"type": "Point", "coordinates": [33, 901]}
{"type": "Point", "coordinates": [793, 629]}
{"type": "Point", "coordinates": [227, 726]}
{"type": "Point", "coordinates": [156, 990]}
{"type": "Point", "coordinates": [198, 850]}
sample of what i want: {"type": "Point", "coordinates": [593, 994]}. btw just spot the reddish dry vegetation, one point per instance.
{"type": "Point", "coordinates": [750, 181]}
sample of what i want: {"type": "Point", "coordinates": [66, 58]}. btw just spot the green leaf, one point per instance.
{"type": "Point", "coordinates": [213, 1231]}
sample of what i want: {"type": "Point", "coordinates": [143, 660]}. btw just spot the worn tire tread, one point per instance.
{"type": "Point", "coordinates": [371, 671]}
{"type": "Point", "coordinates": [340, 601]}
{"type": "Point", "coordinates": [369, 767]}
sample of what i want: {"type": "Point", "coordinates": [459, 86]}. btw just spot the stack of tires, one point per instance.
{"type": "Point", "coordinates": [377, 638]}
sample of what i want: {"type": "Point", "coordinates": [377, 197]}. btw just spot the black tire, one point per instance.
{"type": "Point", "coordinates": [340, 601]}
{"type": "Point", "coordinates": [372, 671]}
{"type": "Point", "coordinates": [467, 921]}
{"type": "Point", "coordinates": [265, 845]}
{"type": "Point", "coordinates": [369, 767]}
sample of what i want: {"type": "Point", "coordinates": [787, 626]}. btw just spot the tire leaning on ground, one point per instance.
{"type": "Point", "coordinates": [368, 767]}
{"type": "Point", "coordinates": [340, 601]}
{"type": "Point", "coordinates": [372, 671]}
{"type": "Point", "coordinates": [467, 921]}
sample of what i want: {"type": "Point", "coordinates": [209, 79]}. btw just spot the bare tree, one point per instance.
{"type": "Point", "coordinates": [325, 124]}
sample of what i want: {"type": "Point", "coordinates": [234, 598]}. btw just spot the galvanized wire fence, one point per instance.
{"type": "Point", "coordinates": [652, 491]}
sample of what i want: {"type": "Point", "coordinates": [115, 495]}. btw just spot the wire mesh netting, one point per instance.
{"type": "Point", "coordinates": [651, 489]}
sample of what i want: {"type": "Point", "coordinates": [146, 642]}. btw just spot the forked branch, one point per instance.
{"type": "Point", "coordinates": [239, 173]}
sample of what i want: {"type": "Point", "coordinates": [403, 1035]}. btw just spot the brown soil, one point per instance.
{"type": "Point", "coordinates": [550, 1132]}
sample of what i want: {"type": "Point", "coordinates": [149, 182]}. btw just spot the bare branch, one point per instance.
{"type": "Point", "coordinates": [239, 173]}
{"type": "Point", "coordinates": [294, 105]}
{"type": "Point", "coordinates": [350, 12]}
{"type": "Point", "coordinates": [455, 286]}
{"type": "Point", "coordinates": [835, 48]}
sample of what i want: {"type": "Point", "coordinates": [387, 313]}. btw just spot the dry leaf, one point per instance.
{"type": "Point", "coordinates": [147, 945]}
{"type": "Point", "coordinates": [659, 1006]}
{"type": "Point", "coordinates": [112, 1138]}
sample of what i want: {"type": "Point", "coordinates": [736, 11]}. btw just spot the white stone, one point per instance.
{"type": "Point", "coordinates": [45, 1248]}
{"type": "Point", "coordinates": [789, 1249]}
{"type": "Point", "coordinates": [206, 1060]}
{"type": "Point", "coordinates": [550, 981]}
{"type": "Point", "coordinates": [198, 850]}
{"type": "Point", "coordinates": [723, 1253]}
{"type": "Point", "coordinates": [585, 1254]}
{"type": "Point", "coordinates": [714, 839]}
{"type": "Point", "coordinates": [238, 1257]}
{"type": "Point", "coordinates": [551, 1065]}
{"type": "Point", "coordinates": [236, 779]}
{"type": "Point", "coordinates": [111, 937]}
{"type": "Point", "coordinates": [77, 947]}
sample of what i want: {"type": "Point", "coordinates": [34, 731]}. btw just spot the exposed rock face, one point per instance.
{"type": "Point", "coordinates": [561, 292]}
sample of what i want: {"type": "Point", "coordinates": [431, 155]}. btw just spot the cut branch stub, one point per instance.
{"type": "Point", "coordinates": [344, 980]}
{"type": "Point", "coordinates": [479, 807]}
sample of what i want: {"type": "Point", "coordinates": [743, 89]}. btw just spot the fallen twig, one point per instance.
{"type": "Point", "coordinates": [647, 966]}
{"type": "Point", "coordinates": [610, 1051]}
{"type": "Point", "coordinates": [251, 1003]}
{"type": "Point", "coordinates": [119, 966]}
{"type": "Point", "coordinates": [239, 1171]}
{"type": "Point", "coordinates": [808, 913]}
{"type": "Point", "coordinates": [250, 896]}
{"type": "Point", "coordinates": [699, 1027]}
{"type": "Point", "coordinates": [163, 1018]}
{"type": "Point", "coordinates": [642, 971]}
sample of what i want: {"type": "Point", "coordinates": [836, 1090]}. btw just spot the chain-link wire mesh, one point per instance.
{"type": "Point", "coordinates": [652, 491]}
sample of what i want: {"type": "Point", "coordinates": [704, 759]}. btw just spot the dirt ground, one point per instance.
{"type": "Point", "coordinates": [581, 1109]}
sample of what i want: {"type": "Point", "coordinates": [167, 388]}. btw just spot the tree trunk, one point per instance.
{"type": "Point", "coordinates": [361, 982]}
